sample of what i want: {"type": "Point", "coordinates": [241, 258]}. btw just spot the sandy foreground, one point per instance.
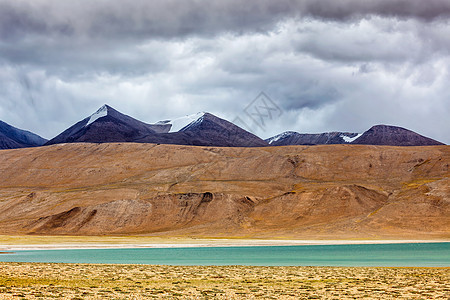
{"type": "Point", "coordinates": [84, 281]}
{"type": "Point", "coordinates": [11, 243]}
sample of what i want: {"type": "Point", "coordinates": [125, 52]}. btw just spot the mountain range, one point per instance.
{"type": "Point", "coordinates": [377, 135]}
{"type": "Point", "coordinates": [202, 129]}
{"type": "Point", "coordinates": [108, 125]}
{"type": "Point", "coordinates": [13, 138]}
{"type": "Point", "coordinates": [110, 174]}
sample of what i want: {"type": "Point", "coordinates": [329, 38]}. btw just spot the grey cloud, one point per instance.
{"type": "Point", "coordinates": [346, 9]}
{"type": "Point", "coordinates": [171, 18]}
{"type": "Point", "coordinates": [374, 40]}
{"type": "Point", "coordinates": [71, 59]}
{"type": "Point", "coordinates": [86, 38]}
{"type": "Point", "coordinates": [137, 19]}
{"type": "Point", "coordinates": [330, 65]}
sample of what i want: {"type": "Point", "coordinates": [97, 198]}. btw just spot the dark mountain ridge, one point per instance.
{"type": "Point", "coordinates": [107, 125]}
{"type": "Point", "coordinates": [393, 136]}
{"type": "Point", "coordinates": [295, 138]}
{"type": "Point", "coordinates": [13, 138]}
{"type": "Point", "coordinates": [386, 135]}
{"type": "Point", "coordinates": [210, 130]}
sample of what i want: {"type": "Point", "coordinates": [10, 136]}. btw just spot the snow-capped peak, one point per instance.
{"type": "Point", "coordinates": [180, 123]}
{"type": "Point", "coordinates": [101, 112]}
{"type": "Point", "coordinates": [280, 136]}
{"type": "Point", "coordinates": [348, 139]}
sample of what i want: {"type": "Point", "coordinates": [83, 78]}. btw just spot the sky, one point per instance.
{"type": "Point", "coordinates": [329, 65]}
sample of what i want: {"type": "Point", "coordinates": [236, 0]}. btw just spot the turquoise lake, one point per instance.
{"type": "Point", "coordinates": [388, 255]}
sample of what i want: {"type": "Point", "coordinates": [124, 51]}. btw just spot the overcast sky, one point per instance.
{"type": "Point", "coordinates": [329, 65]}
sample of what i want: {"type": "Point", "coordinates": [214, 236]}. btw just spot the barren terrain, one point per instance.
{"type": "Point", "coordinates": [82, 281]}
{"type": "Point", "coordinates": [293, 192]}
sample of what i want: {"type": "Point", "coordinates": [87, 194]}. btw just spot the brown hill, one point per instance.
{"type": "Point", "coordinates": [330, 191]}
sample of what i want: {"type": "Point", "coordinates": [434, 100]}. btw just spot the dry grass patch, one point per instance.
{"type": "Point", "coordinates": [84, 281]}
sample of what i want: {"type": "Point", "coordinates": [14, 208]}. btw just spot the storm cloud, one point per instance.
{"type": "Point", "coordinates": [173, 18]}
{"type": "Point", "coordinates": [329, 65]}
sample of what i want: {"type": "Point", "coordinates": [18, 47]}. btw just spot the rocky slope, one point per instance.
{"type": "Point", "coordinates": [377, 135]}
{"type": "Point", "coordinates": [331, 191]}
{"type": "Point", "coordinates": [13, 138]}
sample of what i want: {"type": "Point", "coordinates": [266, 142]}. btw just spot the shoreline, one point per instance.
{"type": "Point", "coordinates": [189, 243]}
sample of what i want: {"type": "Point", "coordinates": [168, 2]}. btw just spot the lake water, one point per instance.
{"type": "Point", "coordinates": [393, 255]}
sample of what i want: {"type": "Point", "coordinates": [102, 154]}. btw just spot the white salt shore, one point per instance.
{"type": "Point", "coordinates": [203, 243]}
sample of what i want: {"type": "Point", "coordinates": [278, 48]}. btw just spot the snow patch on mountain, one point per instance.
{"type": "Point", "coordinates": [348, 139]}
{"type": "Point", "coordinates": [101, 112]}
{"type": "Point", "coordinates": [280, 136]}
{"type": "Point", "coordinates": [180, 123]}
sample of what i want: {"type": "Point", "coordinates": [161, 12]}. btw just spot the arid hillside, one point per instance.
{"type": "Point", "coordinates": [314, 192]}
